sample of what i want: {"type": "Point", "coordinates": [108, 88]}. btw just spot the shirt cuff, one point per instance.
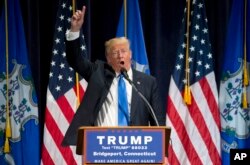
{"type": "Point", "coordinates": [72, 35]}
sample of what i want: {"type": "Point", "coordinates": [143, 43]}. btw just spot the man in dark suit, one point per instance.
{"type": "Point", "coordinates": [100, 103]}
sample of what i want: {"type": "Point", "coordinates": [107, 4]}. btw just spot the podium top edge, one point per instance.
{"type": "Point", "coordinates": [125, 127]}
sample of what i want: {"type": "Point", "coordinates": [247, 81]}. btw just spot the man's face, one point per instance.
{"type": "Point", "coordinates": [119, 57]}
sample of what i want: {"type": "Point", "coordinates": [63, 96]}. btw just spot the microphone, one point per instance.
{"type": "Point", "coordinates": [150, 109]}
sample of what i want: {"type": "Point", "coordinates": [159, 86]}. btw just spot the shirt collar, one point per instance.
{"type": "Point", "coordinates": [130, 73]}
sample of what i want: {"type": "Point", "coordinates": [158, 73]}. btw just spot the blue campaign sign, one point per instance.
{"type": "Point", "coordinates": [124, 145]}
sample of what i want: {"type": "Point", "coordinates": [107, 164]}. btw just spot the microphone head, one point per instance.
{"type": "Point", "coordinates": [123, 70]}
{"type": "Point", "coordinates": [125, 74]}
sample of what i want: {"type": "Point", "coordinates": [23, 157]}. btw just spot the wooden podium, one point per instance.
{"type": "Point", "coordinates": [123, 145]}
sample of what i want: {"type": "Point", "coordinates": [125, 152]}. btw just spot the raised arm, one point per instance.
{"type": "Point", "coordinates": [74, 55]}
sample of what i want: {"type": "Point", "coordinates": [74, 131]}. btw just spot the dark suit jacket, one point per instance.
{"type": "Point", "coordinates": [99, 76]}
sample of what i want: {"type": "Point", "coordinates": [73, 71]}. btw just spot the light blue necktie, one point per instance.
{"type": "Point", "coordinates": [123, 117]}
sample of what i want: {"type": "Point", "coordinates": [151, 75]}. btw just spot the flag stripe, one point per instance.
{"type": "Point", "coordinates": [82, 87]}
{"type": "Point", "coordinates": [65, 108]}
{"type": "Point", "coordinates": [51, 149]}
{"type": "Point", "coordinates": [72, 103]}
{"type": "Point", "coordinates": [66, 153]}
{"type": "Point", "coordinates": [176, 147]}
{"type": "Point", "coordinates": [184, 137]}
{"type": "Point", "coordinates": [50, 146]}
{"type": "Point", "coordinates": [188, 125]}
{"type": "Point", "coordinates": [212, 119]}
{"type": "Point", "coordinates": [56, 114]}
{"type": "Point", "coordinates": [59, 128]}
{"type": "Point", "coordinates": [209, 87]}
{"type": "Point", "coordinates": [199, 125]}
{"type": "Point", "coordinates": [78, 158]}
{"type": "Point", "coordinates": [64, 120]}
{"type": "Point", "coordinates": [172, 157]}
{"type": "Point", "coordinates": [46, 159]}
{"type": "Point", "coordinates": [72, 94]}
{"type": "Point", "coordinates": [202, 120]}
{"type": "Point", "coordinates": [202, 92]}
{"type": "Point", "coordinates": [179, 124]}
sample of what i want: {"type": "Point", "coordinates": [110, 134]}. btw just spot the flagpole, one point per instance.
{"type": "Point", "coordinates": [74, 5]}
{"type": "Point", "coordinates": [7, 124]}
{"type": "Point", "coordinates": [187, 92]}
{"type": "Point", "coordinates": [125, 17]}
{"type": "Point", "coordinates": [77, 76]}
{"type": "Point", "coordinates": [245, 72]}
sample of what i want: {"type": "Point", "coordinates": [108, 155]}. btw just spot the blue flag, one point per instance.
{"type": "Point", "coordinates": [17, 82]}
{"type": "Point", "coordinates": [235, 121]}
{"type": "Point", "coordinates": [135, 35]}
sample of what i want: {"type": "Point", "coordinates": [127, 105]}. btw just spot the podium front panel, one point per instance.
{"type": "Point", "coordinates": [124, 145]}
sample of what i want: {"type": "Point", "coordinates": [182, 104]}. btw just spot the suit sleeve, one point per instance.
{"type": "Point", "coordinates": [77, 59]}
{"type": "Point", "coordinates": [157, 105]}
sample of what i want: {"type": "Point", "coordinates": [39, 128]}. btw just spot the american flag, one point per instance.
{"type": "Point", "coordinates": [61, 95]}
{"type": "Point", "coordinates": [195, 135]}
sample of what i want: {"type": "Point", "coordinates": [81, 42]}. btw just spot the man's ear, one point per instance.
{"type": "Point", "coordinates": [107, 59]}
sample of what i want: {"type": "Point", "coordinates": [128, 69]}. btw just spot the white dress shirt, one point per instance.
{"type": "Point", "coordinates": [108, 115]}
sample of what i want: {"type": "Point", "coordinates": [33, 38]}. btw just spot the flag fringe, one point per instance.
{"type": "Point", "coordinates": [246, 80]}
{"type": "Point", "coordinates": [244, 100]}
{"type": "Point", "coordinates": [6, 146]}
{"type": "Point", "coordinates": [187, 95]}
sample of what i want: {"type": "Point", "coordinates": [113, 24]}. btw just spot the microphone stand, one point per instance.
{"type": "Point", "coordinates": [151, 111]}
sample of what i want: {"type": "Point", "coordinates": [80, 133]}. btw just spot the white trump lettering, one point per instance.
{"type": "Point", "coordinates": [147, 139]}
{"type": "Point", "coordinates": [111, 140]}
{"type": "Point", "coordinates": [123, 141]}
{"type": "Point", "coordinates": [135, 139]}
{"type": "Point", "coordinates": [100, 138]}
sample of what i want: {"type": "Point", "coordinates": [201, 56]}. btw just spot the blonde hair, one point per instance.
{"type": "Point", "coordinates": [115, 41]}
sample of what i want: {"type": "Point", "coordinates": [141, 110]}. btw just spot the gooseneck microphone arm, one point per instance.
{"type": "Point", "coordinates": [151, 111]}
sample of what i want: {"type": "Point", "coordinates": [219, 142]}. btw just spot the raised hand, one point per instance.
{"type": "Point", "coordinates": [77, 19]}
